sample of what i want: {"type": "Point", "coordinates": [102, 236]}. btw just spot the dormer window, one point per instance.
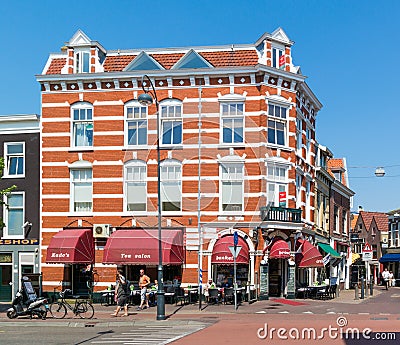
{"type": "Point", "coordinates": [338, 175]}
{"type": "Point", "coordinates": [278, 57]}
{"type": "Point", "coordinates": [82, 62]}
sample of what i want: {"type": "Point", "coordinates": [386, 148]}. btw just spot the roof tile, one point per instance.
{"type": "Point", "coordinates": [56, 65]}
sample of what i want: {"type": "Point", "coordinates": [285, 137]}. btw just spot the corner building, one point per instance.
{"type": "Point", "coordinates": [99, 184]}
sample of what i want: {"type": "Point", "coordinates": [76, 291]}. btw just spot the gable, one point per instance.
{"type": "Point", "coordinates": [79, 39]}
{"type": "Point", "coordinates": [280, 35]}
{"type": "Point", "coordinates": [143, 62]}
{"type": "Point", "coordinates": [192, 60]}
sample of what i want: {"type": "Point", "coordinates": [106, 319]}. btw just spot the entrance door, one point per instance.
{"type": "Point", "coordinates": [5, 280]}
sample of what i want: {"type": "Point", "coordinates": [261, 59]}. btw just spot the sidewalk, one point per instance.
{"type": "Point", "coordinates": [186, 313]}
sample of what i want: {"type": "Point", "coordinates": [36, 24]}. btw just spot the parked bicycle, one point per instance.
{"type": "Point", "coordinates": [81, 307]}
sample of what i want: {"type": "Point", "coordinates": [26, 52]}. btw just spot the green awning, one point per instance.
{"type": "Point", "coordinates": [328, 249]}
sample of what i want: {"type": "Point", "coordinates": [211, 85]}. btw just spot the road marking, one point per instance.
{"type": "Point", "coordinates": [284, 312]}
{"type": "Point", "coordinates": [142, 334]}
{"type": "Point", "coordinates": [331, 312]}
{"type": "Point", "coordinates": [308, 312]}
{"type": "Point", "coordinates": [363, 313]}
{"type": "Point", "coordinates": [261, 312]}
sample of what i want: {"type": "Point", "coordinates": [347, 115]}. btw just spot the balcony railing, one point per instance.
{"type": "Point", "coordinates": [280, 214]}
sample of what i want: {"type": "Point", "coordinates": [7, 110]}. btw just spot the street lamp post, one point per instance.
{"type": "Point", "coordinates": [146, 98]}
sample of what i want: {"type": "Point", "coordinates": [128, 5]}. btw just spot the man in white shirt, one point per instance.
{"type": "Point", "coordinates": [385, 277]}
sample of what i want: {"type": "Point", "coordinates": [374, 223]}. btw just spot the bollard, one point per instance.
{"type": "Point", "coordinates": [362, 287]}
{"type": "Point", "coordinates": [371, 285]}
{"type": "Point", "coordinates": [356, 292]}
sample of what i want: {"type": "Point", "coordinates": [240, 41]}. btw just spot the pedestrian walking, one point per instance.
{"type": "Point", "coordinates": [392, 281]}
{"type": "Point", "coordinates": [385, 276]}
{"type": "Point", "coordinates": [120, 295]}
{"type": "Point", "coordinates": [144, 281]}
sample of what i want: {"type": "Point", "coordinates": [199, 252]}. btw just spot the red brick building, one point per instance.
{"type": "Point", "coordinates": [100, 162]}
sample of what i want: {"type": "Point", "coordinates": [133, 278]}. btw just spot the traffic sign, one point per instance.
{"type": "Point", "coordinates": [235, 238]}
{"type": "Point", "coordinates": [367, 248]}
{"type": "Point", "coordinates": [235, 250]}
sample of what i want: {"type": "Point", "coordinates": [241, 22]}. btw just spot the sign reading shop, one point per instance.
{"type": "Point", "coordinates": [135, 256]}
{"type": "Point", "coordinates": [16, 241]}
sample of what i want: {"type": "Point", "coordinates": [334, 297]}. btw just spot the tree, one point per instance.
{"type": "Point", "coordinates": [4, 192]}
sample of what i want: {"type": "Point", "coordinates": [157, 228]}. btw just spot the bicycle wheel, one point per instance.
{"type": "Point", "coordinates": [58, 310]}
{"type": "Point", "coordinates": [85, 310]}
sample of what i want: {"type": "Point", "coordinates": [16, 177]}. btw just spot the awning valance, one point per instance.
{"type": "Point", "coordinates": [309, 255]}
{"type": "Point", "coordinates": [71, 246]}
{"type": "Point", "coordinates": [329, 250]}
{"type": "Point", "coordinates": [140, 247]}
{"type": "Point", "coordinates": [279, 249]}
{"type": "Point", "coordinates": [221, 253]}
{"type": "Point", "coordinates": [390, 258]}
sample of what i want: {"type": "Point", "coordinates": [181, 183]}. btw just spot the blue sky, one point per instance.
{"type": "Point", "coordinates": [348, 49]}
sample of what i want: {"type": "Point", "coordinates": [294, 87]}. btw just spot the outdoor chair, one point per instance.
{"type": "Point", "coordinates": [228, 295]}
{"type": "Point", "coordinates": [323, 293]}
{"type": "Point", "coordinates": [181, 296]}
{"type": "Point", "coordinates": [332, 291]}
{"type": "Point", "coordinates": [213, 296]}
{"type": "Point", "coordinates": [170, 294]}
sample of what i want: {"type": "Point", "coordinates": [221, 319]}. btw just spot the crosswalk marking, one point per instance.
{"type": "Point", "coordinates": [142, 334]}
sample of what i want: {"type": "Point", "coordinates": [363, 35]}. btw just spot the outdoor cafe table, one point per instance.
{"type": "Point", "coordinates": [193, 294]}
{"type": "Point", "coordinates": [313, 289]}
{"type": "Point", "coordinates": [109, 296]}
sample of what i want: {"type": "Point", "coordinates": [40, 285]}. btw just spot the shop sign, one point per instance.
{"type": "Point", "coordinates": [6, 258]}
{"type": "Point", "coordinates": [31, 241]}
{"type": "Point", "coordinates": [60, 255]}
{"type": "Point", "coordinates": [135, 256]}
{"type": "Point", "coordinates": [291, 286]}
{"type": "Point", "coordinates": [223, 258]}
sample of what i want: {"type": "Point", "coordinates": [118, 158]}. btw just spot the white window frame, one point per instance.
{"type": "Point", "coordinates": [308, 143]}
{"type": "Point", "coordinates": [82, 106]}
{"type": "Point", "coordinates": [6, 210]}
{"type": "Point", "coordinates": [299, 135]}
{"type": "Point", "coordinates": [137, 178]}
{"type": "Point", "coordinates": [277, 118]}
{"type": "Point", "coordinates": [299, 184]}
{"type": "Point", "coordinates": [336, 221]}
{"type": "Point", "coordinates": [80, 56]}
{"type": "Point", "coordinates": [277, 52]}
{"type": "Point", "coordinates": [277, 182]}
{"type": "Point", "coordinates": [232, 173]}
{"type": "Point", "coordinates": [232, 112]}
{"type": "Point", "coordinates": [74, 183]}
{"type": "Point", "coordinates": [169, 113]}
{"type": "Point", "coordinates": [171, 177]}
{"type": "Point", "coordinates": [135, 113]}
{"type": "Point", "coordinates": [9, 156]}
{"type": "Point", "coordinates": [308, 201]}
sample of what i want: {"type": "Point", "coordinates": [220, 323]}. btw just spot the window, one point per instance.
{"type": "Point", "coordinates": [14, 215]}
{"type": "Point", "coordinates": [82, 125]}
{"type": "Point", "coordinates": [136, 124]}
{"type": "Point", "coordinates": [171, 186]}
{"type": "Point", "coordinates": [171, 123]}
{"type": "Point", "coordinates": [344, 222]}
{"type": "Point", "coordinates": [135, 186]}
{"type": "Point", "coordinates": [232, 187]}
{"type": "Point", "coordinates": [82, 62]}
{"type": "Point", "coordinates": [14, 160]}
{"type": "Point", "coordinates": [278, 58]}
{"type": "Point", "coordinates": [276, 186]}
{"type": "Point", "coordinates": [308, 143]}
{"type": "Point", "coordinates": [299, 183]}
{"type": "Point", "coordinates": [308, 201]}
{"type": "Point", "coordinates": [81, 190]}
{"type": "Point", "coordinates": [232, 122]}
{"type": "Point", "coordinates": [299, 130]}
{"type": "Point", "coordinates": [276, 124]}
{"type": "Point", "coordinates": [336, 219]}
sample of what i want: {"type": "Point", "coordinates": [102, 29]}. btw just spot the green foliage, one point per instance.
{"type": "Point", "coordinates": [4, 192]}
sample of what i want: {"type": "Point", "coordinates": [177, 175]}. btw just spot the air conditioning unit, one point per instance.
{"type": "Point", "coordinates": [101, 230]}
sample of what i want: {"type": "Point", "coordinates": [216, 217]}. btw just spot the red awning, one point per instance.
{"type": "Point", "coordinates": [140, 247]}
{"type": "Point", "coordinates": [71, 246]}
{"type": "Point", "coordinates": [222, 255]}
{"type": "Point", "coordinates": [309, 256]}
{"type": "Point", "coordinates": [279, 249]}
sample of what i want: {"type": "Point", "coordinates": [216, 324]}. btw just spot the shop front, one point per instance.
{"type": "Point", "coordinates": [308, 261]}
{"type": "Point", "coordinates": [222, 262]}
{"type": "Point", "coordinates": [74, 248]}
{"type": "Point", "coordinates": [136, 249]}
{"type": "Point", "coordinates": [277, 254]}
